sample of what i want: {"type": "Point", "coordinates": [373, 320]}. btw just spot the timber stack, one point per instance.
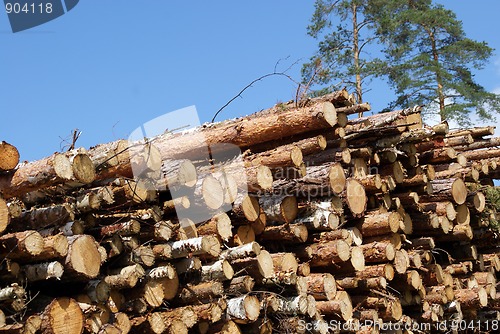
{"type": "Point", "coordinates": [295, 219]}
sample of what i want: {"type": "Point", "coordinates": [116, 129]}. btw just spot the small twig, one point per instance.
{"type": "Point", "coordinates": [283, 73]}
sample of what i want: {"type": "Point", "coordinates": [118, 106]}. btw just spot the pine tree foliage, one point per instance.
{"type": "Point", "coordinates": [430, 59]}
{"type": "Point", "coordinates": [342, 59]}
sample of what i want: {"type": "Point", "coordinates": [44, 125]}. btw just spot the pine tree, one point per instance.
{"type": "Point", "coordinates": [430, 59]}
{"type": "Point", "coordinates": [341, 56]}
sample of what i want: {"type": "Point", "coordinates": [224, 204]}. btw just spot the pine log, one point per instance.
{"type": "Point", "coordinates": [379, 270]}
{"type": "Point", "coordinates": [324, 254]}
{"type": "Point", "coordinates": [247, 131]}
{"type": "Point", "coordinates": [240, 285]}
{"type": "Point", "coordinates": [9, 156]}
{"type": "Point", "coordinates": [447, 189]}
{"type": "Point", "coordinates": [321, 286]}
{"type": "Point", "coordinates": [341, 306]}
{"type": "Point", "coordinates": [246, 207]}
{"type": "Point", "coordinates": [378, 252]}
{"type": "Point", "coordinates": [5, 215]}
{"type": "Point", "coordinates": [83, 259]}
{"type": "Point", "coordinates": [472, 298]}
{"type": "Point", "coordinates": [21, 245]}
{"type": "Point", "coordinates": [258, 267]}
{"type": "Point", "coordinates": [56, 169]}
{"type": "Point", "coordinates": [319, 215]}
{"type": "Point", "coordinates": [62, 315]}
{"type": "Point", "coordinates": [320, 181]}
{"type": "Point", "coordinates": [219, 225]}
{"type": "Point", "coordinates": [377, 223]}
{"type": "Point", "coordinates": [286, 234]}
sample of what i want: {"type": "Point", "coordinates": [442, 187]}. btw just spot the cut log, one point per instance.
{"type": "Point", "coordinates": [341, 306]}
{"type": "Point", "coordinates": [126, 277]}
{"type": "Point", "coordinates": [247, 250]}
{"type": "Point", "coordinates": [218, 271]}
{"type": "Point", "coordinates": [203, 292]}
{"type": "Point", "coordinates": [377, 223]}
{"type": "Point", "coordinates": [245, 132]}
{"type": "Point", "coordinates": [325, 254]}
{"type": "Point", "coordinates": [447, 189]}
{"type": "Point", "coordinates": [243, 309]}
{"type": "Point", "coordinates": [288, 234]}
{"type": "Point", "coordinates": [57, 169]}
{"type": "Point", "coordinates": [258, 267]}
{"type": "Point", "coordinates": [321, 286]}
{"type": "Point", "coordinates": [5, 215]}
{"type": "Point", "coordinates": [355, 197]}
{"type": "Point", "coordinates": [279, 208]}
{"type": "Point", "coordinates": [43, 217]}
{"type": "Point", "coordinates": [195, 246]}
{"type": "Point", "coordinates": [240, 285]}
{"type": "Point", "coordinates": [9, 156]}
{"type": "Point", "coordinates": [83, 259]}
{"type": "Point", "coordinates": [320, 181]}
{"type": "Point", "coordinates": [43, 271]}
{"type": "Point", "coordinates": [62, 315]}
{"type": "Point", "coordinates": [219, 225]}
{"type": "Point", "coordinates": [21, 245]}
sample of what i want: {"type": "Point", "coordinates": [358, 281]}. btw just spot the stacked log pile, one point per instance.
{"type": "Point", "coordinates": [294, 219]}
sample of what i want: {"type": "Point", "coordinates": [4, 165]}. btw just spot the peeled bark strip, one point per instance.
{"type": "Point", "coordinates": [243, 309]}
{"type": "Point", "coordinates": [196, 246]}
{"type": "Point", "coordinates": [56, 169]}
{"type": "Point", "coordinates": [21, 245]}
{"type": "Point", "coordinates": [62, 316]}
{"type": "Point", "coordinates": [83, 259]}
{"type": "Point", "coordinates": [9, 156]}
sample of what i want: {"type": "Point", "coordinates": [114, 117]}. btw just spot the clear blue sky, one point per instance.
{"type": "Point", "coordinates": [108, 66]}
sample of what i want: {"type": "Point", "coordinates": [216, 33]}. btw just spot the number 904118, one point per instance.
{"type": "Point", "coordinates": [28, 8]}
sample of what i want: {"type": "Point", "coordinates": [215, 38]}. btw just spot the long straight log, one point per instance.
{"type": "Point", "coordinates": [247, 131]}
{"type": "Point", "coordinates": [57, 169]}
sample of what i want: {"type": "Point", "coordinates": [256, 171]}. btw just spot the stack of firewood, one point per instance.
{"type": "Point", "coordinates": [295, 219]}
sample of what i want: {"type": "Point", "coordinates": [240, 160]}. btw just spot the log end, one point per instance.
{"type": "Point", "coordinates": [9, 156]}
